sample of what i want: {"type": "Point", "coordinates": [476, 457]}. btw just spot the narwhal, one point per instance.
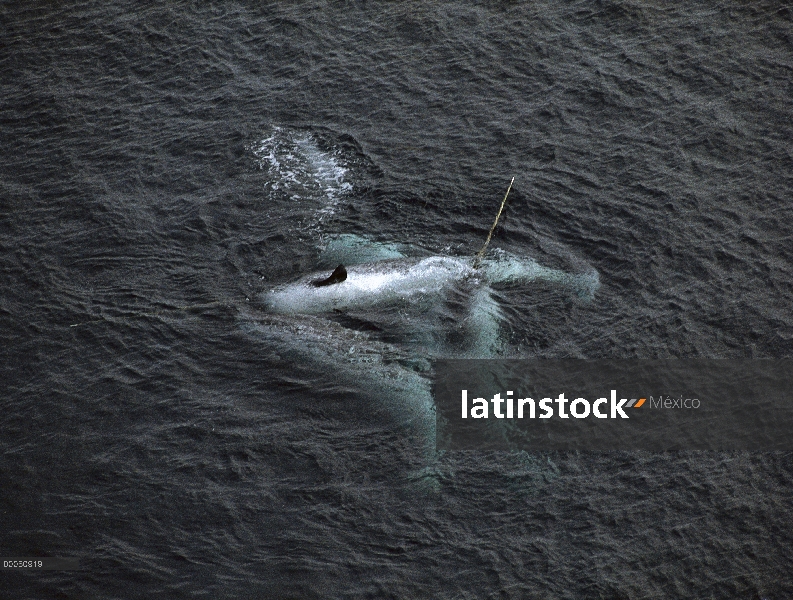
{"type": "Point", "coordinates": [376, 275]}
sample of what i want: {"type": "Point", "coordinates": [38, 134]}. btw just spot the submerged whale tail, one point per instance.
{"type": "Point", "coordinates": [339, 274]}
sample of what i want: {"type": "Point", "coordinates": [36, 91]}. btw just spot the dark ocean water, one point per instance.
{"type": "Point", "coordinates": [174, 154]}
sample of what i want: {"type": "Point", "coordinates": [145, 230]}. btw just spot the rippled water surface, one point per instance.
{"type": "Point", "coordinates": [166, 166]}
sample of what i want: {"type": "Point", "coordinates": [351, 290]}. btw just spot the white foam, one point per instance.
{"type": "Point", "coordinates": [299, 168]}
{"type": "Point", "coordinates": [389, 281]}
{"type": "Point", "coordinates": [369, 285]}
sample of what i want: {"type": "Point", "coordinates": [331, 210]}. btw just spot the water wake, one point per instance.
{"type": "Point", "coordinates": [301, 170]}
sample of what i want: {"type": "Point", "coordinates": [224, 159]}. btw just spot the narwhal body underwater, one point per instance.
{"type": "Point", "coordinates": [382, 281]}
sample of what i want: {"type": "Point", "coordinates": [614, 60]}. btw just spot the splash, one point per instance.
{"type": "Point", "coordinates": [370, 285]}
{"type": "Point", "coordinates": [301, 170]}
{"type": "Point", "coordinates": [385, 281]}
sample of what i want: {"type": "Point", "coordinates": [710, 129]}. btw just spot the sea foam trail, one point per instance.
{"type": "Point", "coordinates": [303, 171]}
